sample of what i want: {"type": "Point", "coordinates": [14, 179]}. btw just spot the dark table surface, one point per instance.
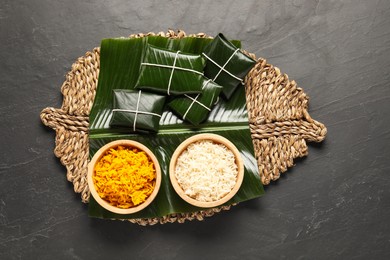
{"type": "Point", "coordinates": [334, 204]}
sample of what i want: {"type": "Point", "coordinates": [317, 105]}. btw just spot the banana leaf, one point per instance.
{"type": "Point", "coordinates": [195, 109]}
{"type": "Point", "coordinates": [226, 64]}
{"type": "Point", "coordinates": [170, 72]}
{"type": "Point", "coordinates": [119, 68]}
{"type": "Point", "coordinates": [137, 111]}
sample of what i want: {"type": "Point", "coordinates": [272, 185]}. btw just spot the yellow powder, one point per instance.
{"type": "Point", "coordinates": [124, 177]}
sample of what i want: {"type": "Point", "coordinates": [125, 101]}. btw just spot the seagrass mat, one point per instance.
{"type": "Point", "coordinates": [278, 116]}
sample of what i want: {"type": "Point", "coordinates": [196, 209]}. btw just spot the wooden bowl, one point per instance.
{"type": "Point", "coordinates": [99, 154]}
{"type": "Point", "coordinates": [216, 139]}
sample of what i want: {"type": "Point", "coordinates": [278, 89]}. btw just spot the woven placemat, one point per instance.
{"type": "Point", "coordinates": [278, 116]}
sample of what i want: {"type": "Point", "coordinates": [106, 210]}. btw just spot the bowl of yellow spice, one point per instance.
{"type": "Point", "coordinates": [124, 176]}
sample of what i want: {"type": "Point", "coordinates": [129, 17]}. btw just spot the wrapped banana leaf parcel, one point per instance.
{"type": "Point", "coordinates": [171, 72]}
{"type": "Point", "coordinates": [196, 108]}
{"type": "Point", "coordinates": [226, 64]}
{"type": "Point", "coordinates": [137, 110]}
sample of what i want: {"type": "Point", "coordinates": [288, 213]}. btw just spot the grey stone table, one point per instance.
{"type": "Point", "coordinates": [334, 204]}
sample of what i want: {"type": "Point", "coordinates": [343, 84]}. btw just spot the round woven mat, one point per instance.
{"type": "Point", "coordinates": [279, 122]}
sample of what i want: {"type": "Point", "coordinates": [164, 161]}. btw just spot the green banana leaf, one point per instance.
{"type": "Point", "coordinates": [127, 101]}
{"type": "Point", "coordinates": [195, 109]}
{"type": "Point", "coordinates": [184, 78]}
{"type": "Point", "coordinates": [119, 69]}
{"type": "Point", "coordinates": [226, 55]}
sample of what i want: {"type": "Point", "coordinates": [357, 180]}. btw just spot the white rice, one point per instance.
{"type": "Point", "coordinates": [206, 171]}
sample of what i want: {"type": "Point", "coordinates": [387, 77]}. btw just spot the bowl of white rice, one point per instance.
{"type": "Point", "coordinates": [206, 170]}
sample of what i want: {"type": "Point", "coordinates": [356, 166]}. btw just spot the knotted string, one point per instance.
{"type": "Point", "coordinates": [195, 100]}
{"type": "Point", "coordinates": [222, 68]}
{"type": "Point", "coordinates": [136, 111]}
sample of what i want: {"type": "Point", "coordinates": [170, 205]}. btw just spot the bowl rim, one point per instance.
{"type": "Point", "coordinates": [99, 154]}
{"type": "Point", "coordinates": [216, 139]}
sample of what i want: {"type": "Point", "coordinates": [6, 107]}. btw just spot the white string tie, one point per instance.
{"type": "Point", "coordinates": [170, 67]}
{"type": "Point", "coordinates": [222, 68]}
{"type": "Point", "coordinates": [195, 100]}
{"type": "Point", "coordinates": [136, 111]}
{"type": "Point", "coordinates": [173, 69]}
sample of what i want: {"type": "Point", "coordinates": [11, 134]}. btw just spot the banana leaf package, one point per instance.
{"type": "Point", "coordinates": [196, 108]}
{"type": "Point", "coordinates": [226, 64]}
{"type": "Point", "coordinates": [171, 72]}
{"type": "Point", "coordinates": [137, 110]}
